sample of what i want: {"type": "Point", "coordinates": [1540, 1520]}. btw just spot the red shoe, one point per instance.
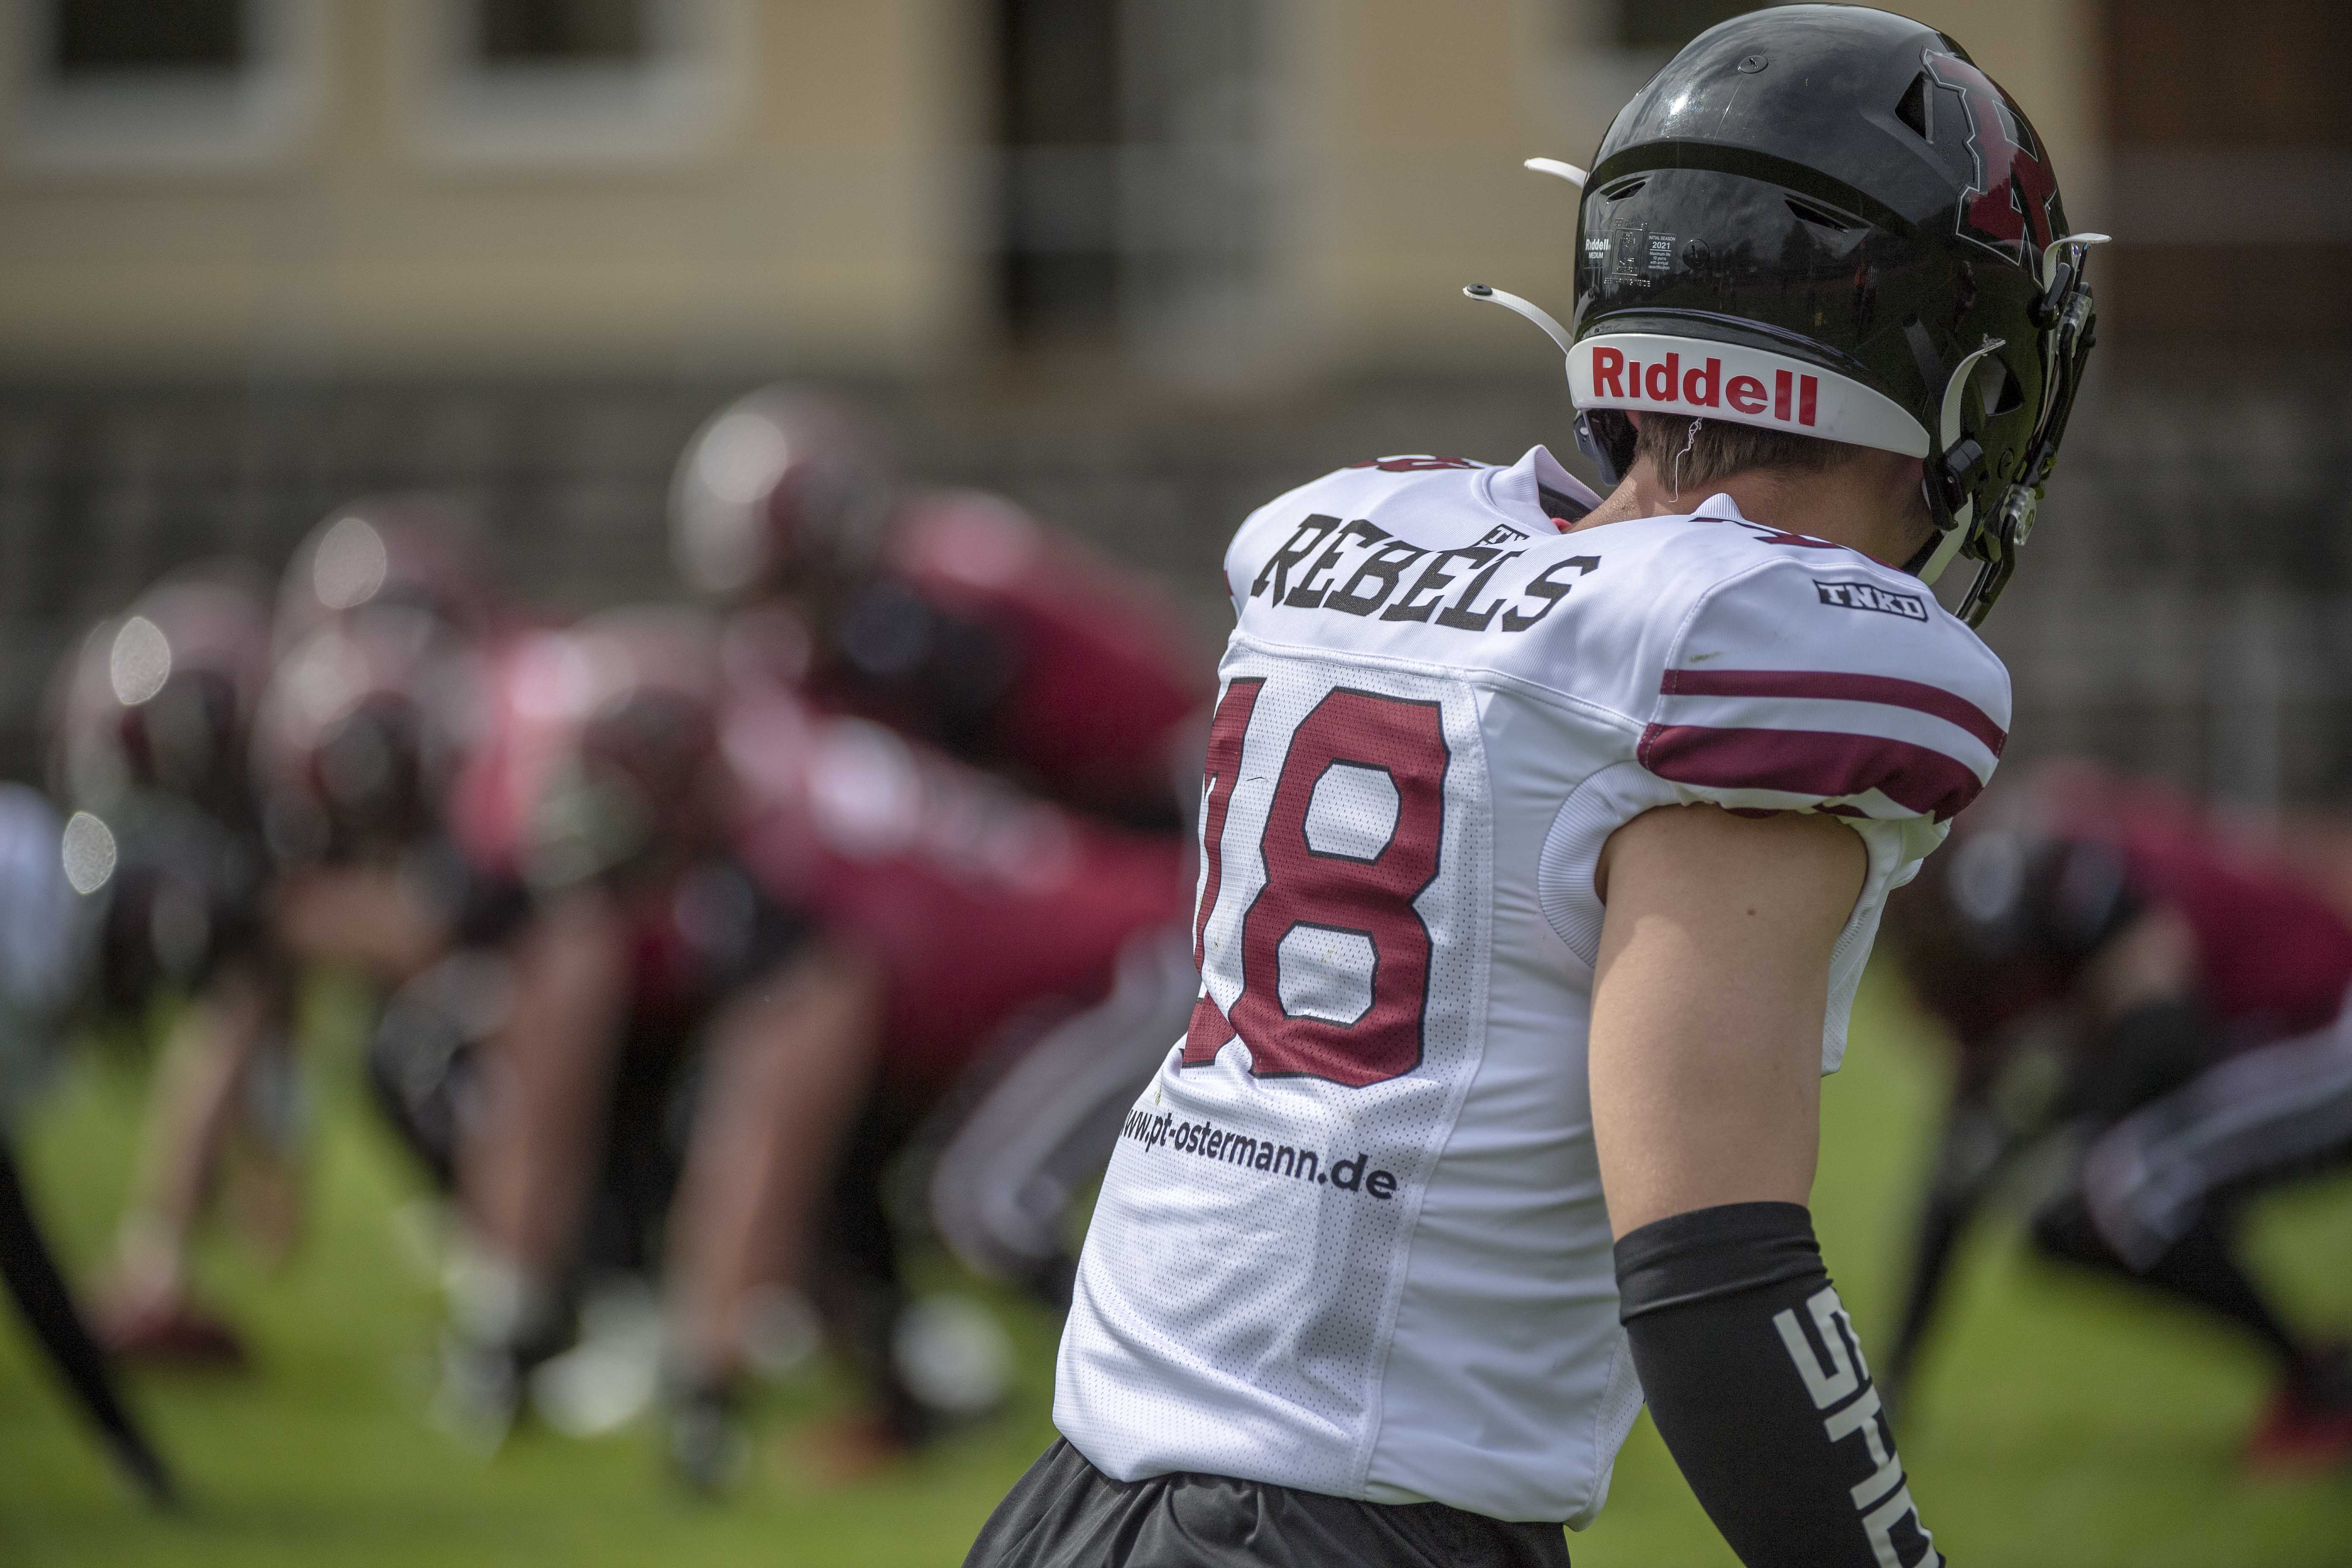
{"type": "Point", "coordinates": [2307, 1429]}
{"type": "Point", "coordinates": [171, 1333]}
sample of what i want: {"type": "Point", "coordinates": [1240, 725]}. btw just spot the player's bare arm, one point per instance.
{"type": "Point", "coordinates": [1707, 1007]}
{"type": "Point", "coordinates": [1708, 1004]}
{"type": "Point", "coordinates": [523, 1165]}
{"type": "Point", "coordinates": [788, 1062]}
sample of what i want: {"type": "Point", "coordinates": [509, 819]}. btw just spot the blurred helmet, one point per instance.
{"type": "Point", "coordinates": [1826, 220]}
{"type": "Point", "coordinates": [163, 697]}
{"type": "Point", "coordinates": [779, 486]}
{"type": "Point", "coordinates": [640, 687]}
{"type": "Point", "coordinates": [2002, 919]}
{"type": "Point", "coordinates": [404, 554]}
{"type": "Point", "coordinates": [361, 733]}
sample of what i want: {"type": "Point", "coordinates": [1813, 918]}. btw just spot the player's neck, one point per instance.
{"type": "Point", "coordinates": [1866, 504]}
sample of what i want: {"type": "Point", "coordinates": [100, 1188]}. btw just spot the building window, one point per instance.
{"type": "Point", "coordinates": [100, 37]}
{"type": "Point", "coordinates": [562, 32]}
{"type": "Point", "coordinates": [1135, 171]}
{"type": "Point", "coordinates": [503, 83]}
{"type": "Point", "coordinates": [162, 84]}
{"type": "Point", "coordinates": [1059, 124]}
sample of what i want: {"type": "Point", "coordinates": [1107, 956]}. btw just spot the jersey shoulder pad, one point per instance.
{"type": "Point", "coordinates": [1817, 680]}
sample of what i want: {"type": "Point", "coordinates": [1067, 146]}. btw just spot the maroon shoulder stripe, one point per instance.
{"type": "Point", "coordinates": [1841, 686]}
{"type": "Point", "coordinates": [1805, 761]}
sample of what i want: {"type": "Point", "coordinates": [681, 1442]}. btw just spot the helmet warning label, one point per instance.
{"type": "Point", "coordinates": [1630, 259]}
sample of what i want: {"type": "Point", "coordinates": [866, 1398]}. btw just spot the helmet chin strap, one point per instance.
{"type": "Point", "coordinates": [1940, 552]}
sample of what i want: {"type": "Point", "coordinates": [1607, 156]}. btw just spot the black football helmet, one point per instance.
{"type": "Point", "coordinates": [782, 485]}
{"type": "Point", "coordinates": [1827, 220]}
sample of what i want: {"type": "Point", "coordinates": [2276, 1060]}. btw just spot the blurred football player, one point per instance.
{"type": "Point", "coordinates": [265, 811]}
{"type": "Point", "coordinates": [963, 625]}
{"type": "Point", "coordinates": [384, 629]}
{"type": "Point", "coordinates": [1543, 840]}
{"type": "Point", "coordinates": [2169, 996]}
{"type": "Point", "coordinates": [1001, 969]}
{"type": "Point", "coordinates": [593, 792]}
{"type": "Point", "coordinates": [151, 722]}
{"type": "Point", "coordinates": [903, 918]}
{"type": "Point", "coordinates": [373, 706]}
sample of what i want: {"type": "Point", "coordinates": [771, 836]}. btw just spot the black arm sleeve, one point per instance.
{"type": "Point", "coordinates": [1755, 1380]}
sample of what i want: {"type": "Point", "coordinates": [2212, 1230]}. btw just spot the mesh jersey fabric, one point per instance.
{"type": "Point", "coordinates": [1352, 1240]}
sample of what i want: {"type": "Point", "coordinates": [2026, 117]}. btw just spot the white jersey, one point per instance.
{"type": "Point", "coordinates": [1352, 1239]}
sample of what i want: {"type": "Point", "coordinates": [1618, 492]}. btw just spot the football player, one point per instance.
{"type": "Point", "coordinates": [152, 721]}
{"type": "Point", "coordinates": [555, 1050]}
{"type": "Point", "coordinates": [1543, 840]}
{"type": "Point", "coordinates": [2169, 995]}
{"type": "Point", "coordinates": [372, 707]}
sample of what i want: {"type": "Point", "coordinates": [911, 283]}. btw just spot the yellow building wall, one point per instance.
{"type": "Point", "coordinates": [823, 223]}
{"type": "Point", "coordinates": [836, 218]}
{"type": "Point", "coordinates": [1411, 118]}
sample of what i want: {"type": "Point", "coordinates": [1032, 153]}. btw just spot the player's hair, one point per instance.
{"type": "Point", "coordinates": [1691, 455]}
{"type": "Point", "coordinates": [1716, 449]}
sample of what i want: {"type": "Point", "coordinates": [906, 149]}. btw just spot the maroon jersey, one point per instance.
{"type": "Point", "coordinates": [525, 782]}
{"type": "Point", "coordinates": [2274, 952]}
{"type": "Point", "coordinates": [1021, 650]}
{"type": "Point", "coordinates": [983, 906]}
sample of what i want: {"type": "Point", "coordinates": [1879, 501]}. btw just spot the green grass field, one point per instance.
{"type": "Point", "coordinates": [2061, 1422]}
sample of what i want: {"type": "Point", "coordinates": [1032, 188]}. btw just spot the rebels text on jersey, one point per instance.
{"type": "Point", "coordinates": [1353, 1238]}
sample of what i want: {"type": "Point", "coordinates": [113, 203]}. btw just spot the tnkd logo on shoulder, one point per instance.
{"type": "Point", "coordinates": [1871, 597]}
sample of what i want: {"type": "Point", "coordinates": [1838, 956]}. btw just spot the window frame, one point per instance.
{"type": "Point", "coordinates": [458, 111]}
{"type": "Point", "coordinates": [167, 120]}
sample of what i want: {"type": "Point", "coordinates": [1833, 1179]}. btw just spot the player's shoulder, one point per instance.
{"type": "Point", "coordinates": [1798, 671]}
{"type": "Point", "coordinates": [1751, 595]}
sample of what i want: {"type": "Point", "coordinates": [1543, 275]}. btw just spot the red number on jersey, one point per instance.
{"type": "Point", "coordinates": [1349, 904]}
{"type": "Point", "coordinates": [1227, 731]}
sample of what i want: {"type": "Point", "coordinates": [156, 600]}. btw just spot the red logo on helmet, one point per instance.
{"type": "Point", "coordinates": [2012, 206]}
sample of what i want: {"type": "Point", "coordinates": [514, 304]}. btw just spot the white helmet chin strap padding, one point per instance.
{"type": "Point", "coordinates": [1948, 544]}
{"type": "Point", "coordinates": [1957, 384]}
{"type": "Point", "coordinates": [1949, 431]}
{"type": "Point", "coordinates": [1557, 170]}
{"type": "Point", "coordinates": [1527, 307]}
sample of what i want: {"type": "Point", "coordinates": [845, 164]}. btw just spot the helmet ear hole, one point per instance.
{"type": "Point", "coordinates": [1911, 107]}
{"type": "Point", "coordinates": [1805, 211]}
{"type": "Point", "coordinates": [1997, 388]}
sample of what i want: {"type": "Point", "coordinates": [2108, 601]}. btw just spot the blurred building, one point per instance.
{"type": "Point", "coordinates": [1141, 261]}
